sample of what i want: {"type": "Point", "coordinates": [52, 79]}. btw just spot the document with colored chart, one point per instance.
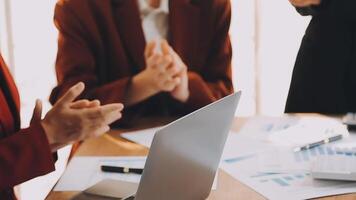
{"type": "Point", "coordinates": [276, 171]}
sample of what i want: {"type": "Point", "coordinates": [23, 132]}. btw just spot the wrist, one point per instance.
{"type": "Point", "coordinates": [140, 88]}
{"type": "Point", "coordinates": [144, 82]}
{"type": "Point", "coordinates": [48, 131]}
{"type": "Point", "coordinates": [183, 96]}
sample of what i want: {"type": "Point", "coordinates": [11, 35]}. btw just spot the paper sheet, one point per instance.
{"type": "Point", "coordinates": [260, 127]}
{"type": "Point", "coordinates": [308, 130]}
{"type": "Point", "coordinates": [276, 171]}
{"type": "Point", "coordinates": [287, 185]}
{"type": "Point", "coordinates": [143, 137]}
{"type": "Point", "coordinates": [83, 172]}
{"type": "Point", "coordinates": [292, 131]}
{"type": "Point", "coordinates": [239, 147]}
{"type": "Point", "coordinates": [233, 147]}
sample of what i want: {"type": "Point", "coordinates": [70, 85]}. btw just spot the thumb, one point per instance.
{"type": "Point", "coordinates": [37, 112]}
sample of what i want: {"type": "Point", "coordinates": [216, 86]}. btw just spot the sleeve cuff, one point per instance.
{"type": "Point", "coordinates": [42, 148]}
{"type": "Point", "coordinates": [200, 94]}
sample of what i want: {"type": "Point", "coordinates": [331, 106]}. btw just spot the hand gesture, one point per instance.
{"type": "Point", "coordinates": [181, 90]}
{"type": "Point", "coordinates": [70, 121]}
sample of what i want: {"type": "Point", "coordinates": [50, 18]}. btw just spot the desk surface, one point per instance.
{"type": "Point", "coordinates": [112, 145]}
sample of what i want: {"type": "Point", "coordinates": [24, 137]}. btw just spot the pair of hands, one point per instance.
{"type": "Point", "coordinates": [305, 3]}
{"type": "Point", "coordinates": [165, 72]}
{"type": "Point", "coordinates": [70, 121]}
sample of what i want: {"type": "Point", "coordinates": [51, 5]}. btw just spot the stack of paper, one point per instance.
{"type": "Point", "coordinates": [143, 137]}
{"type": "Point", "coordinates": [275, 170]}
{"type": "Point", "coordinates": [83, 172]}
{"type": "Point", "coordinates": [307, 131]}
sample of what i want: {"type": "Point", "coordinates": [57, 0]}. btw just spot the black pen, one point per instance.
{"type": "Point", "coordinates": [123, 170]}
{"type": "Point", "coordinates": [312, 145]}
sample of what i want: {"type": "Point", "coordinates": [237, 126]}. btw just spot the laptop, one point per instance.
{"type": "Point", "coordinates": [183, 158]}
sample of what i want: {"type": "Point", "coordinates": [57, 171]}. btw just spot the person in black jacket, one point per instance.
{"type": "Point", "coordinates": [324, 76]}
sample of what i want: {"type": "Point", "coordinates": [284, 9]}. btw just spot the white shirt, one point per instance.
{"type": "Point", "coordinates": [154, 20]}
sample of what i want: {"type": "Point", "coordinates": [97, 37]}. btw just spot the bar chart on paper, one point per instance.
{"type": "Point", "coordinates": [287, 161]}
{"type": "Point", "coordinates": [276, 171]}
{"type": "Point", "coordinates": [284, 174]}
{"type": "Point", "coordinates": [298, 185]}
{"type": "Point", "coordinates": [281, 180]}
{"type": "Point", "coordinates": [309, 155]}
{"type": "Point", "coordinates": [299, 157]}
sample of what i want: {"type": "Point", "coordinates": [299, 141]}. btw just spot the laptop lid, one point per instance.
{"type": "Point", "coordinates": [185, 155]}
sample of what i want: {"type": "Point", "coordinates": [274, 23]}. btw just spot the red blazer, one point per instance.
{"type": "Point", "coordinates": [24, 154]}
{"type": "Point", "coordinates": [102, 44]}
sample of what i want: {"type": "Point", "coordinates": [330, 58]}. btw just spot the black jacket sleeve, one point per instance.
{"type": "Point", "coordinates": [343, 9]}
{"type": "Point", "coordinates": [313, 10]}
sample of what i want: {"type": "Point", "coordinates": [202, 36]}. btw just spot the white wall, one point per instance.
{"type": "Point", "coordinates": [35, 49]}
{"type": "Point", "coordinates": [280, 33]}
{"type": "Point", "coordinates": [5, 34]}
{"type": "Point", "coordinates": [243, 39]}
{"type": "Point", "coordinates": [265, 46]}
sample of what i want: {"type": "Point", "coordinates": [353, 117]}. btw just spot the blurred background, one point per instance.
{"type": "Point", "coordinates": [266, 36]}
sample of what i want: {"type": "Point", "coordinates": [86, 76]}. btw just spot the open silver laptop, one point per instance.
{"type": "Point", "coordinates": [185, 155]}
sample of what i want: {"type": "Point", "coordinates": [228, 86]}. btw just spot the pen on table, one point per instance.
{"type": "Point", "coordinates": [123, 170]}
{"type": "Point", "coordinates": [315, 144]}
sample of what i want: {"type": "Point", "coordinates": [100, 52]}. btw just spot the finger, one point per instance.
{"type": "Point", "coordinates": [101, 131]}
{"type": "Point", "coordinates": [112, 117]}
{"type": "Point", "coordinates": [168, 71]}
{"type": "Point", "coordinates": [177, 80]}
{"type": "Point", "coordinates": [72, 94]}
{"type": "Point", "coordinates": [164, 63]}
{"type": "Point", "coordinates": [112, 112]}
{"type": "Point", "coordinates": [173, 70]}
{"type": "Point", "coordinates": [166, 49]}
{"type": "Point", "coordinates": [170, 85]}
{"type": "Point", "coordinates": [84, 103]}
{"type": "Point", "coordinates": [176, 58]}
{"type": "Point", "coordinates": [37, 112]}
{"type": "Point", "coordinates": [94, 104]}
{"type": "Point", "coordinates": [153, 61]}
{"type": "Point", "coordinates": [103, 113]}
{"type": "Point", "coordinates": [166, 59]}
{"type": "Point", "coordinates": [150, 49]}
{"type": "Point", "coordinates": [163, 78]}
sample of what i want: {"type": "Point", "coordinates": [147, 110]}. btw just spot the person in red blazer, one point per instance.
{"type": "Point", "coordinates": [27, 153]}
{"type": "Point", "coordinates": [104, 44]}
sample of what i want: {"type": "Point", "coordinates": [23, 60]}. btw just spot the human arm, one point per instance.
{"type": "Point", "coordinates": [158, 76]}
{"type": "Point", "coordinates": [28, 153]}
{"type": "Point", "coordinates": [24, 155]}
{"type": "Point", "coordinates": [342, 9]}
{"type": "Point", "coordinates": [214, 80]}
{"type": "Point", "coordinates": [307, 7]}
{"type": "Point", "coordinates": [79, 59]}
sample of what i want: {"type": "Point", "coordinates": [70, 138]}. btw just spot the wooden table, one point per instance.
{"type": "Point", "coordinates": [112, 144]}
